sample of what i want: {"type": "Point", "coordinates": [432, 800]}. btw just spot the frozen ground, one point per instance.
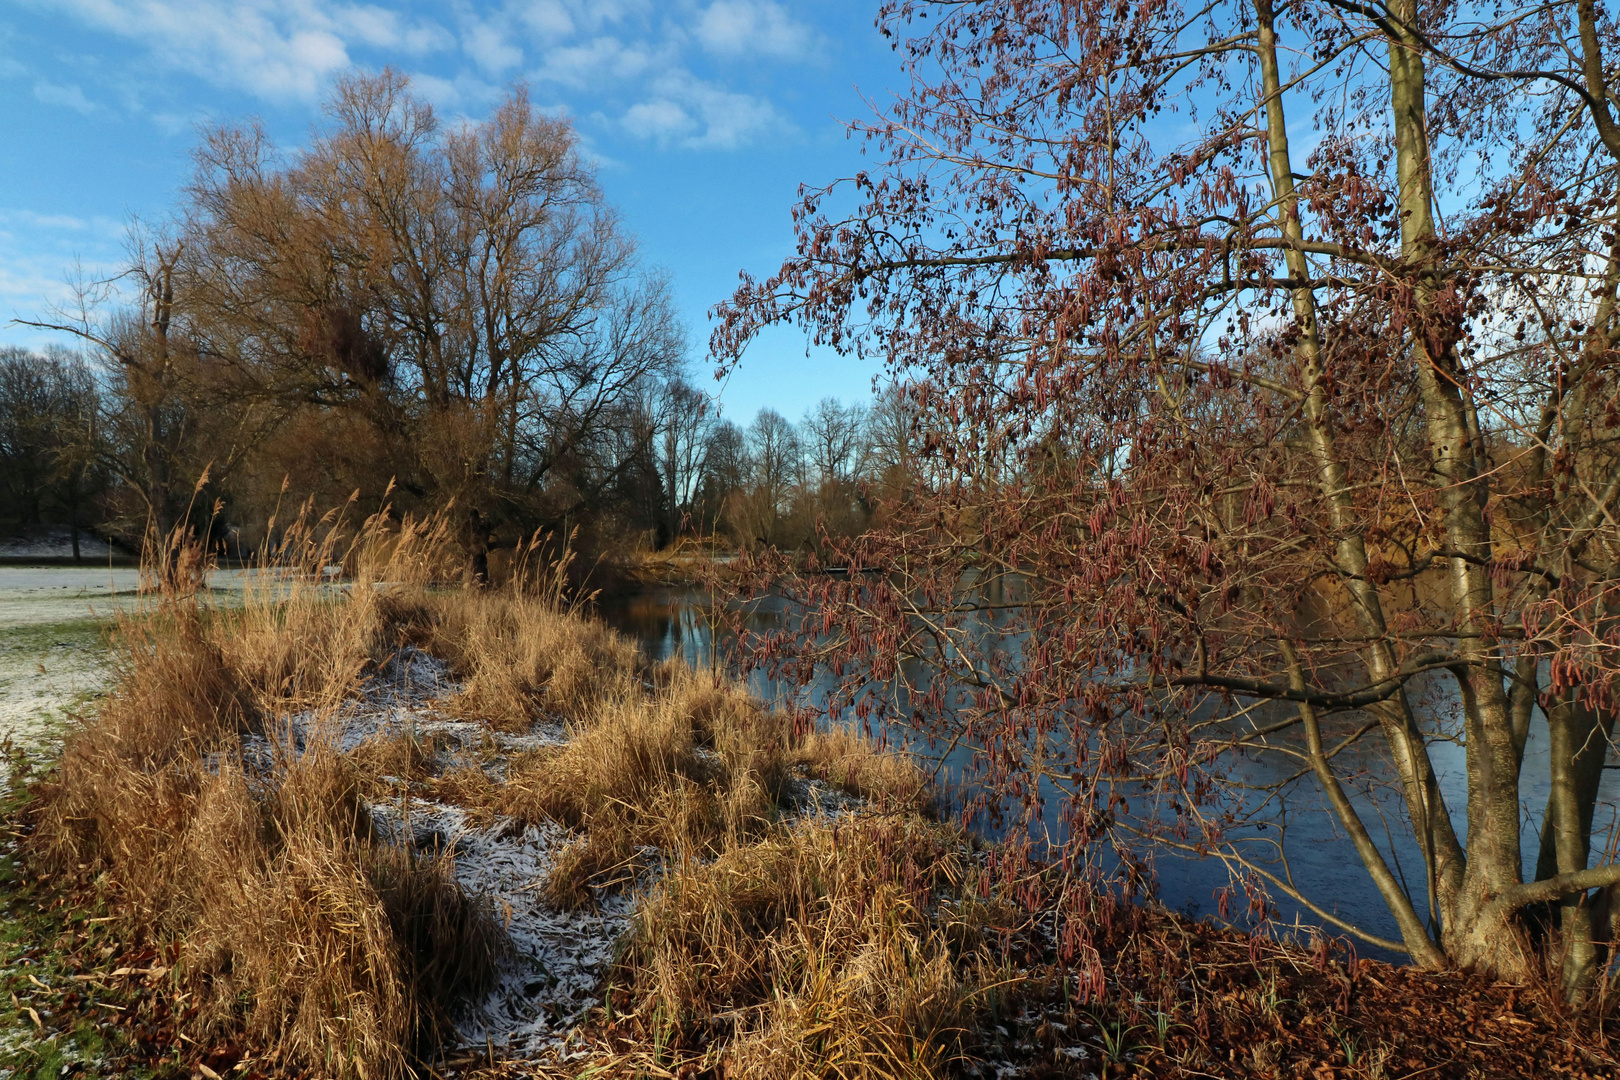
{"type": "Point", "coordinates": [53, 652]}
{"type": "Point", "coordinates": [550, 971]}
{"type": "Point", "coordinates": [552, 968]}
{"type": "Point", "coordinates": [54, 542]}
{"type": "Point", "coordinates": [53, 658]}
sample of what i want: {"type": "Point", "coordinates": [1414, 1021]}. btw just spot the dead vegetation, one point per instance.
{"type": "Point", "coordinates": [273, 915]}
{"type": "Point", "coordinates": [292, 921]}
{"type": "Point", "coordinates": [288, 918]}
{"type": "Point", "coordinates": [520, 656]}
{"type": "Point", "coordinates": [843, 948]}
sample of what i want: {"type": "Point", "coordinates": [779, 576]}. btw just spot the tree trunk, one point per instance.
{"type": "Point", "coordinates": [1478, 930]}
{"type": "Point", "coordinates": [476, 544]}
{"type": "Point", "coordinates": [73, 514]}
{"type": "Point", "coordinates": [1579, 740]}
{"type": "Point", "coordinates": [1442, 851]}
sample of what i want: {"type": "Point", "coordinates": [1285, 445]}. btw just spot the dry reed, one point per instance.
{"type": "Point", "coordinates": [335, 952]}
{"type": "Point", "coordinates": [818, 951]}
{"type": "Point", "coordinates": [342, 954]}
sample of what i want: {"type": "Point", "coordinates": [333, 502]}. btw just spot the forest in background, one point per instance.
{"type": "Point", "coordinates": [416, 313]}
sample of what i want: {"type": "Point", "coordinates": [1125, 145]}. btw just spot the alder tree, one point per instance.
{"type": "Point", "coordinates": [1261, 359]}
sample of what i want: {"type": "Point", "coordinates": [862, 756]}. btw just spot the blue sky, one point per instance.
{"type": "Point", "coordinates": [703, 115]}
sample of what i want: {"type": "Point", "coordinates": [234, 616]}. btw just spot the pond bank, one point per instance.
{"type": "Point", "coordinates": [723, 896]}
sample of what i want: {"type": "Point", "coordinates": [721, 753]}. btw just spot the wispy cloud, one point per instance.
{"type": "Point", "coordinates": [276, 49]}
{"type": "Point", "coordinates": [697, 114]}
{"type": "Point", "coordinates": [630, 59]}
{"type": "Point", "coordinates": [600, 61]}
{"type": "Point", "coordinates": [736, 28]}
{"type": "Point", "coordinates": [64, 95]}
{"type": "Point", "coordinates": [39, 253]}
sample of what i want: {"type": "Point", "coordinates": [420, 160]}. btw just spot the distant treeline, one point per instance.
{"type": "Point", "coordinates": [428, 314]}
{"type": "Point", "coordinates": [73, 452]}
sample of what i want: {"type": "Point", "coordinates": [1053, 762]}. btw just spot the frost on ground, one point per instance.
{"type": "Point", "coordinates": [53, 645]}
{"type": "Point", "coordinates": [54, 542]}
{"type": "Point", "coordinates": [53, 654]}
{"type": "Point", "coordinates": [554, 960]}
{"type": "Point", "coordinates": [553, 967]}
{"type": "Point", "coordinates": [45, 673]}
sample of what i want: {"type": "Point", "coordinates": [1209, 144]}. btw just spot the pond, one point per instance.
{"type": "Point", "coordinates": [1323, 863]}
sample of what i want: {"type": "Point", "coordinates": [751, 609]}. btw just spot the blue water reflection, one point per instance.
{"type": "Point", "coordinates": [1321, 862]}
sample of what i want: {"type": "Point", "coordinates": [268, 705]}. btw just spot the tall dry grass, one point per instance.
{"type": "Point", "coordinates": [690, 769]}
{"type": "Point", "coordinates": [851, 948]}
{"type": "Point", "coordinates": [658, 757]}
{"type": "Point", "coordinates": [341, 954]}
{"type": "Point", "coordinates": [333, 951]}
{"type": "Point", "coordinates": [521, 657]}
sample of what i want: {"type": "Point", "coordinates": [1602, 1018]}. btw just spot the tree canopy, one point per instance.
{"type": "Point", "coordinates": [1264, 359]}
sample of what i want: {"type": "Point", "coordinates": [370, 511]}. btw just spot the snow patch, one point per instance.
{"type": "Point", "coordinates": [53, 542]}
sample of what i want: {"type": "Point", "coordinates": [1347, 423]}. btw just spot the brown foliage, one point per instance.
{"type": "Point", "coordinates": [1231, 449]}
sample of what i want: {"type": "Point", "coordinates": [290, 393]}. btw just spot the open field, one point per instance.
{"type": "Point", "coordinates": [53, 649]}
{"type": "Point", "coordinates": [54, 622]}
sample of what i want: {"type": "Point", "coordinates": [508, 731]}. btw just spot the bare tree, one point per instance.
{"type": "Point", "coordinates": [465, 289]}
{"type": "Point", "coordinates": [893, 436]}
{"type": "Point", "coordinates": [833, 440]}
{"type": "Point", "coordinates": [774, 456]}
{"type": "Point", "coordinates": [1264, 442]}
{"type": "Point", "coordinates": [27, 419]}
{"type": "Point", "coordinates": [685, 441]}
{"type": "Point", "coordinates": [180, 402]}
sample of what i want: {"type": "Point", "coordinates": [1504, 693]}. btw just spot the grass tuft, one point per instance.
{"type": "Point", "coordinates": [338, 953]}
{"type": "Point", "coordinates": [811, 953]}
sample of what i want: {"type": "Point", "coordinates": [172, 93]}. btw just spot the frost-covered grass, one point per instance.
{"type": "Point", "coordinates": [53, 644]}
{"type": "Point", "coordinates": [48, 671]}
{"type": "Point", "coordinates": [379, 820]}
{"type": "Point", "coordinates": [54, 625]}
{"type": "Point", "coordinates": [357, 830]}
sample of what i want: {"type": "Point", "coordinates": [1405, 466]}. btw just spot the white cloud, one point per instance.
{"type": "Point", "coordinates": [597, 61]}
{"type": "Point", "coordinates": [660, 120]}
{"type": "Point", "coordinates": [31, 219]}
{"type": "Point", "coordinates": [632, 56]}
{"type": "Point", "coordinates": [753, 28]}
{"type": "Point", "coordinates": [490, 45]}
{"type": "Point", "coordinates": [383, 29]}
{"type": "Point", "coordinates": [275, 49]}
{"type": "Point", "coordinates": [547, 19]}
{"type": "Point", "coordinates": [461, 94]}
{"type": "Point", "coordinates": [700, 115]}
{"type": "Point", "coordinates": [35, 249]}
{"type": "Point", "coordinates": [64, 95]}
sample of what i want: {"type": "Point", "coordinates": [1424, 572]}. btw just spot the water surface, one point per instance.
{"type": "Point", "coordinates": [1321, 861]}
